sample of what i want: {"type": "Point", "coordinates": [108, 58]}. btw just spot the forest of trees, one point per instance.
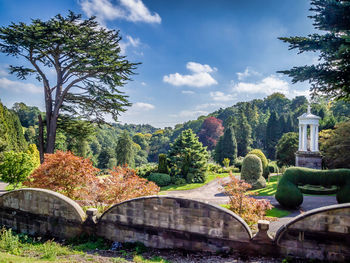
{"type": "Point", "coordinates": [257, 124]}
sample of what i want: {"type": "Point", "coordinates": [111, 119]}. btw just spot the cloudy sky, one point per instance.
{"type": "Point", "coordinates": [196, 55]}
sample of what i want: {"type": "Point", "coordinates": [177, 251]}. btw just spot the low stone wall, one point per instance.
{"type": "Point", "coordinates": [169, 222]}
{"type": "Point", "coordinates": [41, 212]}
{"type": "Point", "coordinates": [322, 233]}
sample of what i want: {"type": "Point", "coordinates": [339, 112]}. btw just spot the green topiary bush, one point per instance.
{"type": "Point", "coordinates": [264, 161]}
{"type": "Point", "coordinates": [162, 164]}
{"type": "Point", "coordinates": [289, 195]}
{"type": "Point", "coordinates": [251, 171]}
{"type": "Point", "coordinates": [273, 167]}
{"type": "Point", "coordinates": [160, 179]}
{"type": "Point", "coordinates": [238, 162]}
{"type": "Point", "coordinates": [145, 170]}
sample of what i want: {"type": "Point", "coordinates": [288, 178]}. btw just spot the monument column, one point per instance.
{"type": "Point", "coordinates": [300, 138]}
{"type": "Point", "coordinates": [304, 137]}
{"type": "Point", "coordinates": [316, 139]}
{"type": "Point", "coordinates": [312, 138]}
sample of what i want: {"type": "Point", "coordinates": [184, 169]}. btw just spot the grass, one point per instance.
{"type": "Point", "coordinates": [18, 248]}
{"type": "Point", "coordinates": [210, 177]}
{"type": "Point", "coordinates": [276, 212]}
{"type": "Point", "coordinates": [270, 188]}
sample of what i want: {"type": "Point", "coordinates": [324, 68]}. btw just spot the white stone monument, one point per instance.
{"type": "Point", "coordinates": [308, 154]}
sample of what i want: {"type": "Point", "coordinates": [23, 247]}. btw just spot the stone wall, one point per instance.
{"type": "Point", "coordinates": [41, 212]}
{"type": "Point", "coordinates": [322, 233]}
{"type": "Point", "coordinates": [169, 222]}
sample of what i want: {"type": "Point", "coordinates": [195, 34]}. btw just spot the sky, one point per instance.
{"type": "Point", "coordinates": [196, 55]}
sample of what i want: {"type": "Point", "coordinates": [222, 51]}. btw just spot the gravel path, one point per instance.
{"type": "Point", "coordinates": [213, 194]}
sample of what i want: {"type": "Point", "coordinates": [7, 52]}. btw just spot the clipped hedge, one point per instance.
{"type": "Point", "coordinates": [273, 167]}
{"type": "Point", "coordinates": [252, 171]}
{"type": "Point", "coordinates": [289, 195]}
{"type": "Point", "coordinates": [160, 179]}
{"type": "Point", "coordinates": [264, 161]}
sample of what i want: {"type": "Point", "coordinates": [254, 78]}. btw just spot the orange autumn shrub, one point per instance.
{"type": "Point", "coordinates": [122, 184]}
{"type": "Point", "coordinates": [249, 208]}
{"type": "Point", "coordinates": [76, 178]}
{"type": "Point", "coordinates": [65, 173]}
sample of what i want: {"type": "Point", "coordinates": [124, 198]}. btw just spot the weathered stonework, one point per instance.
{"type": "Point", "coordinates": [169, 222]}
{"type": "Point", "coordinates": [322, 233]}
{"type": "Point", "coordinates": [41, 212]}
{"type": "Point", "coordinates": [311, 160]}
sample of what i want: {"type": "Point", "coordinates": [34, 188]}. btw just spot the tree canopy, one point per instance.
{"type": "Point", "coordinates": [87, 62]}
{"type": "Point", "coordinates": [331, 76]}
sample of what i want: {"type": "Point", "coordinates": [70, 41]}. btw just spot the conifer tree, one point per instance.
{"type": "Point", "coordinates": [331, 75]}
{"type": "Point", "coordinates": [188, 157]}
{"type": "Point", "coordinates": [125, 150]}
{"type": "Point", "coordinates": [243, 132]}
{"type": "Point", "coordinates": [226, 147]}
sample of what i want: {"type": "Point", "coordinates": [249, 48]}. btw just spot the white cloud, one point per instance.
{"type": "Point", "coordinates": [187, 92]}
{"type": "Point", "coordinates": [220, 96]}
{"type": "Point", "coordinates": [18, 86]}
{"type": "Point", "coordinates": [130, 10]}
{"type": "Point", "coordinates": [128, 42]}
{"type": "Point", "coordinates": [143, 83]}
{"type": "Point", "coordinates": [266, 86]}
{"type": "Point", "coordinates": [190, 113]}
{"type": "Point", "coordinates": [248, 72]}
{"type": "Point", "coordinates": [138, 106]}
{"type": "Point", "coordinates": [3, 72]}
{"type": "Point", "coordinates": [200, 76]}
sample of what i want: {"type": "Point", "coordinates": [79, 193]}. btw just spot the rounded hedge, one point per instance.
{"type": "Point", "coordinates": [251, 171]}
{"type": "Point", "coordinates": [289, 195]}
{"type": "Point", "coordinates": [160, 179]}
{"type": "Point", "coordinates": [264, 161]}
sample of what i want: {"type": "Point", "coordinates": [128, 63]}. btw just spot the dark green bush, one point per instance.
{"type": "Point", "coordinates": [289, 195]}
{"type": "Point", "coordinates": [213, 167]}
{"type": "Point", "coordinates": [264, 161]}
{"type": "Point", "coordinates": [162, 164]}
{"type": "Point", "coordinates": [145, 170]}
{"type": "Point", "coordinates": [251, 171]}
{"type": "Point", "coordinates": [160, 179]}
{"type": "Point", "coordinates": [180, 181]}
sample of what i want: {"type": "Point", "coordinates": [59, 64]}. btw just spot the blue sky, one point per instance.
{"type": "Point", "coordinates": [196, 55]}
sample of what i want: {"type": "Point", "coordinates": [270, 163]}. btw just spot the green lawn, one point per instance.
{"type": "Point", "coordinates": [270, 188]}
{"type": "Point", "coordinates": [210, 177]}
{"type": "Point", "coordinates": [275, 212]}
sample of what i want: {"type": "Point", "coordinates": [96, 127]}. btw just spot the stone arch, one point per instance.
{"type": "Point", "coordinates": [322, 233]}
{"type": "Point", "coordinates": [41, 212]}
{"type": "Point", "coordinates": [171, 222]}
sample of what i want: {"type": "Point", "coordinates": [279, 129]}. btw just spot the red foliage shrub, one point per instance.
{"type": "Point", "coordinates": [65, 173]}
{"type": "Point", "coordinates": [122, 184]}
{"type": "Point", "coordinates": [76, 178]}
{"type": "Point", "coordinates": [210, 132]}
{"type": "Point", "coordinates": [249, 208]}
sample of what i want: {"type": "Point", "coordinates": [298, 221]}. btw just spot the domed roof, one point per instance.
{"type": "Point", "coordinates": [308, 115]}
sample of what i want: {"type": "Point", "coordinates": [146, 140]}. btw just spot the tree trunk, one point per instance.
{"type": "Point", "coordinates": [41, 139]}
{"type": "Point", "coordinates": [51, 135]}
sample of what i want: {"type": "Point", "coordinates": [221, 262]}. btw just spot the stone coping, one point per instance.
{"type": "Point", "coordinates": [221, 209]}
{"type": "Point", "coordinates": [302, 216]}
{"type": "Point", "coordinates": [79, 211]}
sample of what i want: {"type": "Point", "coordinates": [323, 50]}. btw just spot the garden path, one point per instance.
{"type": "Point", "coordinates": [213, 194]}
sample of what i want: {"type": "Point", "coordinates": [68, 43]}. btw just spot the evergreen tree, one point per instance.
{"type": "Point", "coordinates": [286, 149]}
{"type": "Point", "coordinates": [125, 150]}
{"type": "Point", "coordinates": [188, 157]}
{"type": "Point", "coordinates": [88, 65]}
{"type": "Point", "coordinates": [273, 133]}
{"type": "Point", "coordinates": [226, 147]}
{"type": "Point", "coordinates": [331, 75]}
{"type": "Point", "coordinates": [243, 132]}
{"type": "Point", "coordinates": [105, 155]}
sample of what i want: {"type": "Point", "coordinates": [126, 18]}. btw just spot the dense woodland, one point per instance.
{"type": "Point", "coordinates": [257, 124]}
